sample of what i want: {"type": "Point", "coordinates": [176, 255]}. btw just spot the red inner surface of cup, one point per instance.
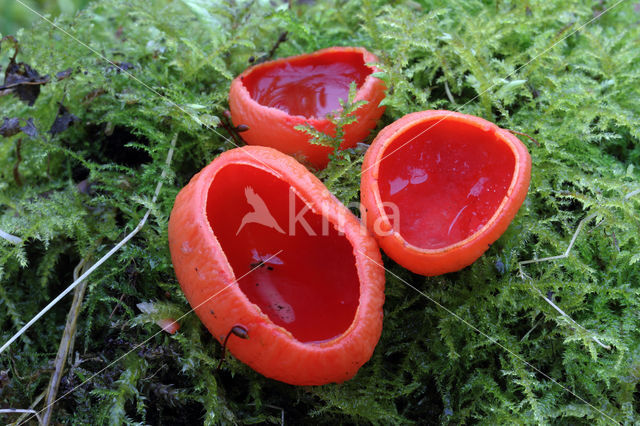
{"type": "Point", "coordinates": [446, 183]}
{"type": "Point", "coordinates": [309, 86]}
{"type": "Point", "coordinates": [305, 278]}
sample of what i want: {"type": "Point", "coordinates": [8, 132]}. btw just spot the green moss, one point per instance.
{"type": "Point", "coordinates": [528, 66]}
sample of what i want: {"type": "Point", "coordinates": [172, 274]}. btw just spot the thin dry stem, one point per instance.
{"type": "Point", "coordinates": [103, 259]}
{"type": "Point", "coordinates": [30, 412]}
{"type": "Point", "coordinates": [631, 194]}
{"type": "Point", "coordinates": [66, 343]}
{"type": "Point", "coordinates": [561, 256]}
{"type": "Point", "coordinates": [448, 92]}
{"type": "Point", "coordinates": [490, 338]}
{"type": "Point", "coordinates": [135, 348]}
{"type": "Point", "coordinates": [21, 411]}
{"type": "Point", "coordinates": [277, 408]}
{"type": "Point", "coordinates": [11, 238]}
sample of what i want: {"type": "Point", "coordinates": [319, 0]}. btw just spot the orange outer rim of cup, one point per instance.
{"type": "Point", "coordinates": [461, 254]}
{"type": "Point", "coordinates": [203, 271]}
{"type": "Point", "coordinates": [274, 127]}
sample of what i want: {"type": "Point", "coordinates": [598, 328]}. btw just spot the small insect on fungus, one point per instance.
{"type": "Point", "coordinates": [238, 330]}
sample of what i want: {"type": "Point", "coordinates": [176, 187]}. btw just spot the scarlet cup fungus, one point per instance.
{"type": "Point", "coordinates": [439, 187]}
{"type": "Point", "coordinates": [309, 288]}
{"type": "Point", "coordinates": [273, 97]}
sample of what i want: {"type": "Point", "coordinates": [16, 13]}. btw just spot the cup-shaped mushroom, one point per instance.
{"type": "Point", "coordinates": [439, 187]}
{"type": "Point", "coordinates": [258, 243]}
{"type": "Point", "coordinates": [274, 97]}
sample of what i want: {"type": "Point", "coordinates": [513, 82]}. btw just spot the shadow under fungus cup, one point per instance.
{"type": "Point", "coordinates": [273, 97]}
{"type": "Point", "coordinates": [260, 246]}
{"type": "Point", "coordinates": [439, 187]}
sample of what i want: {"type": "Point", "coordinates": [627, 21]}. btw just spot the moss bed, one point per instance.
{"type": "Point", "coordinates": [84, 145]}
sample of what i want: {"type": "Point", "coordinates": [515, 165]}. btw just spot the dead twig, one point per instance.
{"type": "Point", "coordinates": [275, 407]}
{"type": "Point", "coordinates": [21, 411]}
{"type": "Point", "coordinates": [116, 307]}
{"type": "Point", "coordinates": [567, 251]}
{"type": "Point", "coordinates": [631, 194]}
{"type": "Point", "coordinates": [279, 41]}
{"type": "Point", "coordinates": [67, 341]}
{"type": "Point", "coordinates": [561, 256]}
{"type": "Point", "coordinates": [30, 411]}
{"type": "Point", "coordinates": [448, 92]}
{"type": "Point", "coordinates": [11, 238]}
{"type": "Point", "coordinates": [103, 259]}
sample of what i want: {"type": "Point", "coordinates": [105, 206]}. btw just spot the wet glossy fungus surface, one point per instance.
{"type": "Point", "coordinates": [309, 86]}
{"type": "Point", "coordinates": [311, 287]}
{"type": "Point", "coordinates": [447, 183]}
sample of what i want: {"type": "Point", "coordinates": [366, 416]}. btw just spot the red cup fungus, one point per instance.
{"type": "Point", "coordinates": [439, 187]}
{"type": "Point", "coordinates": [273, 97]}
{"type": "Point", "coordinates": [260, 245]}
